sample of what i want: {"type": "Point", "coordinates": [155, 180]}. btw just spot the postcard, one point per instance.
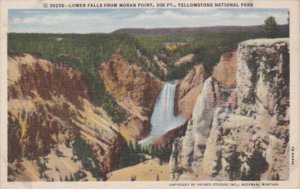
{"type": "Point", "coordinates": [147, 94]}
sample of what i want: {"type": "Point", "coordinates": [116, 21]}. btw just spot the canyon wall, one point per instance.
{"type": "Point", "coordinates": [191, 85]}
{"type": "Point", "coordinates": [135, 90]}
{"type": "Point", "coordinates": [239, 130]}
{"type": "Point", "coordinates": [51, 118]}
{"type": "Point", "coordinates": [188, 90]}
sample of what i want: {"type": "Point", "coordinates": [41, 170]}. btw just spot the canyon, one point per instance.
{"type": "Point", "coordinates": [214, 117]}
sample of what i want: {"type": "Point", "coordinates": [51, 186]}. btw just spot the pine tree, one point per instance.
{"type": "Point", "coordinates": [257, 164]}
{"type": "Point", "coordinates": [137, 148]}
{"type": "Point", "coordinates": [270, 28]}
{"type": "Point", "coordinates": [157, 177]}
{"type": "Point", "coordinates": [234, 166]}
{"type": "Point", "coordinates": [133, 178]}
{"type": "Point", "coordinates": [243, 174]}
{"type": "Point", "coordinates": [71, 177]}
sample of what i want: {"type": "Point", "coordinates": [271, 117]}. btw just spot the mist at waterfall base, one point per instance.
{"type": "Point", "coordinates": [163, 119]}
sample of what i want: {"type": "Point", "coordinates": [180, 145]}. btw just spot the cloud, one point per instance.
{"type": "Point", "coordinates": [108, 20]}
{"type": "Point", "coordinates": [43, 20]}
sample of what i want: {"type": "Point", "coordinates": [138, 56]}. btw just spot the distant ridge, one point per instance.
{"type": "Point", "coordinates": [194, 30]}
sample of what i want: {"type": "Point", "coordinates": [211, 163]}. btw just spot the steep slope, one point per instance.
{"type": "Point", "coordinates": [240, 134]}
{"type": "Point", "coordinates": [191, 86]}
{"type": "Point", "coordinates": [135, 90]}
{"type": "Point", "coordinates": [188, 90]}
{"type": "Point", "coordinates": [51, 117]}
{"type": "Point", "coordinates": [150, 170]}
{"type": "Point", "coordinates": [225, 71]}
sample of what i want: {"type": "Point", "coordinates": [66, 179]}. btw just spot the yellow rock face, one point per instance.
{"type": "Point", "coordinates": [188, 90]}
{"type": "Point", "coordinates": [225, 71]}
{"type": "Point", "coordinates": [48, 106]}
{"type": "Point", "coordinates": [135, 90]}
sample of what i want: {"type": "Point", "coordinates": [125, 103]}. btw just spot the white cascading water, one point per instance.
{"type": "Point", "coordinates": [163, 119]}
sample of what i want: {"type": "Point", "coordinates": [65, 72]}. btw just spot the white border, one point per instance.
{"type": "Point", "coordinates": [294, 178]}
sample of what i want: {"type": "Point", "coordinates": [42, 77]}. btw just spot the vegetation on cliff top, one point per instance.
{"type": "Point", "coordinates": [85, 52]}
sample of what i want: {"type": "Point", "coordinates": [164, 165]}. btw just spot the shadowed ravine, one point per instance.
{"type": "Point", "coordinates": [163, 118]}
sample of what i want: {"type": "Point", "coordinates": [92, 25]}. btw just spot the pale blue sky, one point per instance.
{"type": "Point", "coordinates": [108, 20]}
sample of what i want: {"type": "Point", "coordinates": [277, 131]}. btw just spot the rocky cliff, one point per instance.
{"type": "Point", "coordinates": [225, 71]}
{"type": "Point", "coordinates": [240, 133]}
{"type": "Point", "coordinates": [188, 90]}
{"type": "Point", "coordinates": [191, 85]}
{"type": "Point", "coordinates": [51, 119]}
{"type": "Point", "coordinates": [135, 90]}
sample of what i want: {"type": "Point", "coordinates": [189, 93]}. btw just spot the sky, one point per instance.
{"type": "Point", "coordinates": [108, 20]}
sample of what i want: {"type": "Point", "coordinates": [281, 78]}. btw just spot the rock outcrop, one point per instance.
{"type": "Point", "coordinates": [161, 65]}
{"type": "Point", "coordinates": [191, 86]}
{"type": "Point", "coordinates": [173, 46]}
{"type": "Point", "coordinates": [240, 133]}
{"type": "Point", "coordinates": [49, 111]}
{"type": "Point", "coordinates": [135, 90]}
{"type": "Point", "coordinates": [188, 90]}
{"type": "Point", "coordinates": [225, 71]}
{"type": "Point", "coordinates": [184, 59]}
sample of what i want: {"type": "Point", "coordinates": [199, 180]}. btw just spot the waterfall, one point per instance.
{"type": "Point", "coordinates": [163, 119]}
